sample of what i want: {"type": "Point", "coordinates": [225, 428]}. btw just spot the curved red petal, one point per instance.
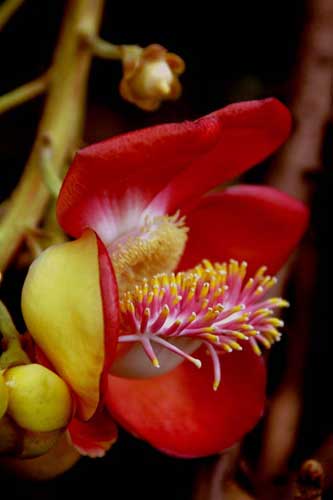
{"type": "Point", "coordinates": [128, 170]}
{"type": "Point", "coordinates": [171, 164]}
{"type": "Point", "coordinates": [111, 314]}
{"type": "Point", "coordinates": [180, 414]}
{"type": "Point", "coordinates": [254, 223]}
{"type": "Point", "coordinates": [249, 132]}
{"type": "Point", "coordinates": [95, 437]}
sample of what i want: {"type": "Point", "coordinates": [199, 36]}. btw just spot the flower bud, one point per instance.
{"type": "Point", "coordinates": [3, 396]}
{"type": "Point", "coordinates": [39, 400]}
{"type": "Point", "coordinates": [150, 76]}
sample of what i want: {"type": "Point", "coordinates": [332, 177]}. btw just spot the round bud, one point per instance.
{"type": "Point", "coordinates": [39, 400]}
{"type": "Point", "coordinates": [3, 396]}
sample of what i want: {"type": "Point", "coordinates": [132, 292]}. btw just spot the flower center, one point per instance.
{"type": "Point", "coordinates": [211, 304]}
{"type": "Point", "coordinates": [154, 247]}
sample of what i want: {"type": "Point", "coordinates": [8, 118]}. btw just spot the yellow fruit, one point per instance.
{"type": "Point", "coordinates": [39, 400]}
{"type": "Point", "coordinates": [3, 396]}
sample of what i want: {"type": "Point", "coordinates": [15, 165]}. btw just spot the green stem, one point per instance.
{"type": "Point", "coordinates": [105, 50]}
{"type": "Point", "coordinates": [61, 122]}
{"type": "Point", "coordinates": [7, 9]}
{"type": "Point", "coordinates": [50, 177]}
{"type": "Point", "coordinates": [23, 93]}
{"type": "Point", "coordinates": [14, 354]}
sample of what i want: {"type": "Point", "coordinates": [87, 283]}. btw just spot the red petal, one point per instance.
{"type": "Point", "coordinates": [107, 170]}
{"type": "Point", "coordinates": [249, 132]}
{"type": "Point", "coordinates": [107, 179]}
{"type": "Point", "coordinates": [110, 304]}
{"type": "Point", "coordinates": [254, 223]}
{"type": "Point", "coordinates": [94, 437]}
{"type": "Point", "coordinates": [180, 414]}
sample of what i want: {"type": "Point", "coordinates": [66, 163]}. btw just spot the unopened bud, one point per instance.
{"type": "Point", "coordinates": [39, 400]}
{"type": "Point", "coordinates": [150, 76]}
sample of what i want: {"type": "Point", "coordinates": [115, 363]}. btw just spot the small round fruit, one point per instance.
{"type": "Point", "coordinates": [3, 396]}
{"type": "Point", "coordinates": [39, 400]}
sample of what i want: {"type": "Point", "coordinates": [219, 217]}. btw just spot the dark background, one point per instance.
{"type": "Point", "coordinates": [233, 51]}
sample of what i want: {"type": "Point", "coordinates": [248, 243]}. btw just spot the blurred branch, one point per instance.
{"type": "Point", "coordinates": [61, 121]}
{"type": "Point", "coordinates": [311, 106]}
{"type": "Point", "coordinates": [285, 410]}
{"type": "Point", "coordinates": [214, 479]}
{"type": "Point", "coordinates": [7, 9]}
{"type": "Point", "coordinates": [24, 93]}
{"type": "Point", "coordinates": [292, 171]}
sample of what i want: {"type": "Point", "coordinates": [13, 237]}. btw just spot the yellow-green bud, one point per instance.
{"type": "Point", "coordinates": [3, 396]}
{"type": "Point", "coordinates": [39, 400]}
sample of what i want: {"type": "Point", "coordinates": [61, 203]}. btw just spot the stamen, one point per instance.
{"type": "Point", "coordinates": [161, 239]}
{"type": "Point", "coordinates": [212, 304]}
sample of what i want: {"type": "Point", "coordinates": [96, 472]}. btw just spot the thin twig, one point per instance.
{"type": "Point", "coordinates": [102, 48]}
{"type": "Point", "coordinates": [61, 121]}
{"type": "Point", "coordinates": [24, 93]}
{"type": "Point", "coordinates": [7, 9]}
{"type": "Point", "coordinates": [13, 354]}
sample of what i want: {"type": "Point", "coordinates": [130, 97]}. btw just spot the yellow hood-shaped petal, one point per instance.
{"type": "Point", "coordinates": [62, 308]}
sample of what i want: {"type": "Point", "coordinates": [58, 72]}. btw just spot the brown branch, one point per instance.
{"type": "Point", "coordinates": [61, 122]}
{"type": "Point", "coordinates": [311, 106]}
{"type": "Point", "coordinates": [7, 10]}
{"type": "Point", "coordinates": [215, 477]}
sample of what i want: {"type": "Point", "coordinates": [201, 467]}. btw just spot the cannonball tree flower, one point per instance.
{"type": "Point", "coordinates": [158, 308]}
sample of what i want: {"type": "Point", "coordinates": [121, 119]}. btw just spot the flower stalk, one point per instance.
{"type": "Point", "coordinates": [61, 121]}
{"type": "Point", "coordinates": [24, 93]}
{"type": "Point", "coordinates": [7, 9]}
{"type": "Point", "coordinates": [13, 354]}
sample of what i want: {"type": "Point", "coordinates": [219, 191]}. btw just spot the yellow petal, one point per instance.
{"type": "Point", "coordinates": [62, 308]}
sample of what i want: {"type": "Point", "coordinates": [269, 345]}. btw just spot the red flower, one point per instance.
{"type": "Point", "coordinates": [125, 198]}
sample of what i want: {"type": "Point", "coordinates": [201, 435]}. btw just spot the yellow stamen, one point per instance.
{"type": "Point", "coordinates": [157, 248]}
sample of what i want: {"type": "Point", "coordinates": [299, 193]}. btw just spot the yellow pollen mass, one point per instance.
{"type": "Point", "coordinates": [156, 249]}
